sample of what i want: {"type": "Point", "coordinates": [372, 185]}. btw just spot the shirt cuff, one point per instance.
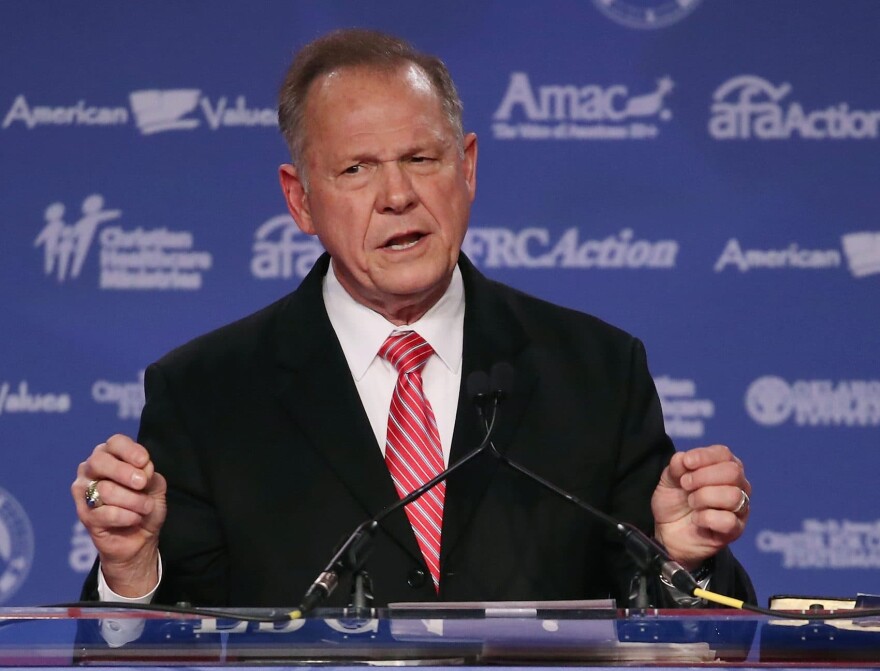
{"type": "Point", "coordinates": [119, 632]}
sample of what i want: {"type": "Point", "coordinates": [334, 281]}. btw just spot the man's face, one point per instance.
{"type": "Point", "coordinates": [389, 186]}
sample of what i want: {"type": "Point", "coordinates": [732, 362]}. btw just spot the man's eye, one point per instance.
{"type": "Point", "coordinates": [419, 159]}
{"type": "Point", "coordinates": [352, 169]}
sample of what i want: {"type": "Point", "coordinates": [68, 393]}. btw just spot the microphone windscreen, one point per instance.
{"type": "Point", "coordinates": [502, 378]}
{"type": "Point", "coordinates": [477, 385]}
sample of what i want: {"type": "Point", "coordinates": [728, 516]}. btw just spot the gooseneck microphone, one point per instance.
{"type": "Point", "coordinates": [648, 555]}
{"type": "Point", "coordinates": [352, 554]}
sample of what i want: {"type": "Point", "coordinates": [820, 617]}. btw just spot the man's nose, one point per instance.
{"type": "Point", "coordinates": [396, 192]}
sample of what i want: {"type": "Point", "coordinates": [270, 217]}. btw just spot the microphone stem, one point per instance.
{"type": "Point", "coordinates": [433, 482]}
{"type": "Point", "coordinates": [647, 553]}
{"type": "Point", "coordinates": [347, 558]}
{"type": "Point", "coordinates": [571, 498]}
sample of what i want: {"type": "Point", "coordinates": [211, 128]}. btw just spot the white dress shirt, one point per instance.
{"type": "Point", "coordinates": [361, 332]}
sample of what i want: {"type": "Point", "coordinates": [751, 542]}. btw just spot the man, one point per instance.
{"type": "Point", "coordinates": [270, 432]}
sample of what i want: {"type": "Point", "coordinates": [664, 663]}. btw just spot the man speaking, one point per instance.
{"type": "Point", "coordinates": [264, 443]}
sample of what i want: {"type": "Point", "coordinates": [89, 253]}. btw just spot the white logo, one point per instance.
{"type": "Point", "coordinates": [129, 259]}
{"type": "Point", "coordinates": [832, 544]}
{"type": "Point", "coordinates": [646, 14]}
{"type": "Point", "coordinates": [683, 412]}
{"type": "Point", "coordinates": [80, 114]}
{"type": "Point", "coordinates": [862, 253]}
{"type": "Point", "coordinates": [281, 250]}
{"type": "Point", "coordinates": [771, 401]}
{"type": "Point", "coordinates": [790, 257]}
{"type": "Point", "coordinates": [573, 112]}
{"type": "Point", "coordinates": [748, 106]}
{"type": "Point", "coordinates": [82, 550]}
{"type": "Point", "coordinates": [534, 248]}
{"type": "Point", "coordinates": [127, 396]}
{"type": "Point", "coordinates": [16, 545]}
{"type": "Point", "coordinates": [65, 246]}
{"type": "Point", "coordinates": [156, 111]}
{"type": "Point", "coordinates": [23, 401]}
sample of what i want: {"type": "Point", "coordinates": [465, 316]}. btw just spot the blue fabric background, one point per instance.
{"type": "Point", "coordinates": [715, 224]}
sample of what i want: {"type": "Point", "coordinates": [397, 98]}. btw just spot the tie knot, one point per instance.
{"type": "Point", "coordinates": [407, 352]}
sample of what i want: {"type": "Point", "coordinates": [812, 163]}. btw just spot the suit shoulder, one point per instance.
{"type": "Point", "coordinates": [241, 340]}
{"type": "Point", "coordinates": [542, 318]}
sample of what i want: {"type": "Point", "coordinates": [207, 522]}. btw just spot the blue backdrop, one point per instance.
{"type": "Point", "coordinates": [702, 173]}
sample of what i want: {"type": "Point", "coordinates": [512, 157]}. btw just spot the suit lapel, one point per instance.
{"type": "Point", "coordinates": [316, 388]}
{"type": "Point", "coordinates": [492, 334]}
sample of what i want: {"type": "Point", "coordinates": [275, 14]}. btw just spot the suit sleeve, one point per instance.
{"type": "Point", "coordinates": [193, 550]}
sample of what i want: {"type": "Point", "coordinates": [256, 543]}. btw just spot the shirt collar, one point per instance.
{"type": "Point", "coordinates": [361, 331]}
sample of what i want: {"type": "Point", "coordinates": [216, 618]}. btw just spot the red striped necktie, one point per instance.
{"type": "Point", "coordinates": [412, 448]}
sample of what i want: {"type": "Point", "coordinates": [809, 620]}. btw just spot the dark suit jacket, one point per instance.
{"type": "Point", "coordinates": [271, 461]}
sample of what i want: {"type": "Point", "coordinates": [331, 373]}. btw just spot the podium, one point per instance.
{"type": "Point", "coordinates": [605, 638]}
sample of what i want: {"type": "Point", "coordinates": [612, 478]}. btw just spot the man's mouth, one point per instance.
{"type": "Point", "coordinates": [402, 242]}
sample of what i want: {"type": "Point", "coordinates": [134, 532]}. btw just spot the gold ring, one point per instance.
{"type": "Point", "coordinates": [93, 496]}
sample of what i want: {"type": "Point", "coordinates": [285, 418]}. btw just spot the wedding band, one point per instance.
{"type": "Point", "coordinates": [743, 503]}
{"type": "Point", "coordinates": [93, 496]}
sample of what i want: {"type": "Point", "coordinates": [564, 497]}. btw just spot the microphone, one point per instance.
{"type": "Point", "coordinates": [352, 554]}
{"type": "Point", "coordinates": [648, 555]}
{"type": "Point", "coordinates": [493, 388]}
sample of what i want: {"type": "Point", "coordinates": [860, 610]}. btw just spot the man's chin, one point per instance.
{"type": "Point", "coordinates": [413, 288]}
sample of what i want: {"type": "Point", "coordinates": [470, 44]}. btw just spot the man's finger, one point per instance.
{"type": "Point", "coordinates": [112, 494]}
{"type": "Point", "coordinates": [724, 497]}
{"type": "Point", "coordinates": [112, 518]}
{"type": "Point", "coordinates": [673, 472]}
{"type": "Point", "coordinates": [723, 524]}
{"type": "Point", "coordinates": [127, 450]}
{"type": "Point", "coordinates": [723, 473]}
{"type": "Point", "coordinates": [105, 466]}
{"type": "Point", "coordinates": [700, 457]}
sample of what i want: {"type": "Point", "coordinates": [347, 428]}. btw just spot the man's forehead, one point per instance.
{"type": "Point", "coordinates": [340, 99]}
{"type": "Point", "coordinates": [346, 77]}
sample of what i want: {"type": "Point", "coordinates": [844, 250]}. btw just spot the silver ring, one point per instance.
{"type": "Point", "coordinates": [93, 496]}
{"type": "Point", "coordinates": [743, 503]}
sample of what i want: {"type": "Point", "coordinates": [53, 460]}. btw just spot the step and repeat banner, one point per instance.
{"type": "Point", "coordinates": [702, 173]}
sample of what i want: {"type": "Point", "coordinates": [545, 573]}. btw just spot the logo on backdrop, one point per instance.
{"type": "Point", "coordinates": [646, 14]}
{"type": "Point", "coordinates": [579, 112]}
{"type": "Point", "coordinates": [829, 544]}
{"type": "Point", "coordinates": [138, 259]}
{"type": "Point", "coordinates": [16, 545]}
{"type": "Point", "coordinates": [684, 413]}
{"type": "Point", "coordinates": [772, 401]}
{"type": "Point", "coordinates": [750, 107]}
{"type": "Point", "coordinates": [82, 550]}
{"type": "Point", "coordinates": [128, 397]}
{"type": "Point", "coordinates": [861, 250]}
{"type": "Point", "coordinates": [20, 399]}
{"type": "Point", "coordinates": [154, 111]}
{"type": "Point", "coordinates": [282, 251]}
{"type": "Point", "coordinates": [538, 248]}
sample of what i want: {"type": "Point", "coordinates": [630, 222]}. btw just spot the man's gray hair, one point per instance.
{"type": "Point", "coordinates": [355, 47]}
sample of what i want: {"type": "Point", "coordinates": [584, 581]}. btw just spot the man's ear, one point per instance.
{"type": "Point", "coordinates": [470, 163]}
{"type": "Point", "coordinates": [296, 197]}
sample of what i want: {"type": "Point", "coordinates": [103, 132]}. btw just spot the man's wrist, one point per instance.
{"type": "Point", "coordinates": [106, 593]}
